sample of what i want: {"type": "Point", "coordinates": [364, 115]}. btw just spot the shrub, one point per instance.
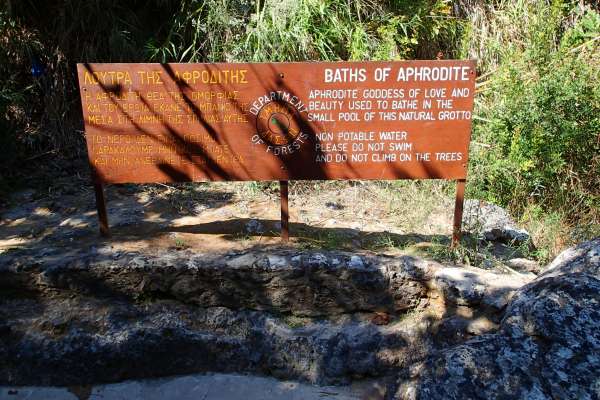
{"type": "Point", "coordinates": [17, 47]}
{"type": "Point", "coordinates": [290, 30]}
{"type": "Point", "coordinates": [540, 115]}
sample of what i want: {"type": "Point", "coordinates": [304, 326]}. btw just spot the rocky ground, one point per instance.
{"type": "Point", "coordinates": [412, 218]}
{"type": "Point", "coordinates": [194, 279]}
{"type": "Point", "coordinates": [322, 317]}
{"type": "Point", "coordinates": [547, 345]}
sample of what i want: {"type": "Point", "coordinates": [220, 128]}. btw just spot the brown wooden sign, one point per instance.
{"type": "Point", "coordinates": [277, 121]}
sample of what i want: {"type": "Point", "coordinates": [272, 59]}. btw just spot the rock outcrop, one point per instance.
{"type": "Point", "coordinates": [95, 316]}
{"type": "Point", "coordinates": [313, 284]}
{"type": "Point", "coordinates": [492, 223]}
{"type": "Point", "coordinates": [547, 347]}
{"type": "Point", "coordinates": [473, 287]}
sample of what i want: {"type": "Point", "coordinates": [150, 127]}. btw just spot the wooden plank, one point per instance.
{"type": "Point", "coordinates": [101, 208]}
{"type": "Point", "coordinates": [278, 121]}
{"type": "Point", "coordinates": [285, 215]}
{"type": "Point", "coordinates": [458, 211]}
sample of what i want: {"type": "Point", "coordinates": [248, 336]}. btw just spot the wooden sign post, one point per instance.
{"type": "Point", "coordinates": [285, 214]}
{"type": "Point", "coordinates": [278, 121]}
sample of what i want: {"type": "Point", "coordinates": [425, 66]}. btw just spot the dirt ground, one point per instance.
{"type": "Point", "coordinates": [223, 216]}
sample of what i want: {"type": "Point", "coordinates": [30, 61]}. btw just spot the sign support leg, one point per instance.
{"type": "Point", "coordinates": [285, 215]}
{"type": "Point", "coordinates": [458, 211]}
{"type": "Point", "coordinates": [101, 207]}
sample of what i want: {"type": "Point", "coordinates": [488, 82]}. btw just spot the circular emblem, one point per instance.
{"type": "Point", "coordinates": [277, 123]}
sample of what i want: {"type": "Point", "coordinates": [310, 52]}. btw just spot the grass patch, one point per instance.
{"type": "Point", "coordinates": [180, 244]}
{"type": "Point", "coordinates": [473, 252]}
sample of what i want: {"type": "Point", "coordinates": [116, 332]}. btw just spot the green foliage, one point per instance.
{"type": "Point", "coordinates": [16, 47]}
{"type": "Point", "coordinates": [180, 244]}
{"type": "Point", "coordinates": [540, 115]}
{"type": "Point", "coordinates": [299, 30]}
{"type": "Point", "coordinates": [583, 33]}
{"type": "Point", "coordinates": [40, 42]}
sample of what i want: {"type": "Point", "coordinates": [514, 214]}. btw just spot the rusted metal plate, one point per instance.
{"type": "Point", "coordinates": [278, 121]}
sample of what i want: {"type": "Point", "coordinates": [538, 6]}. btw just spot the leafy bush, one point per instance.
{"type": "Point", "coordinates": [299, 30]}
{"type": "Point", "coordinates": [540, 116]}
{"type": "Point", "coordinates": [17, 45]}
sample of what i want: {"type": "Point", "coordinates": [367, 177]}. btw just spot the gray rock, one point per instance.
{"type": "Point", "coordinates": [548, 346]}
{"type": "Point", "coordinates": [475, 287]}
{"type": "Point", "coordinates": [356, 262]}
{"type": "Point", "coordinates": [255, 226]}
{"type": "Point", "coordinates": [66, 344]}
{"type": "Point", "coordinates": [96, 315]}
{"type": "Point", "coordinates": [492, 223]}
{"type": "Point", "coordinates": [524, 264]}
{"type": "Point", "coordinates": [583, 258]}
{"type": "Point", "coordinates": [303, 284]}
